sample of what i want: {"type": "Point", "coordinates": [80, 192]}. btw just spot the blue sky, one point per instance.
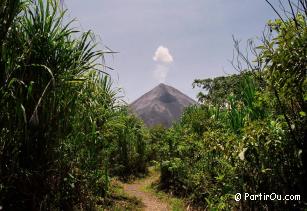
{"type": "Point", "coordinates": [196, 33]}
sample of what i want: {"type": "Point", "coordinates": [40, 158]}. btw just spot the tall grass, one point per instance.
{"type": "Point", "coordinates": [56, 137]}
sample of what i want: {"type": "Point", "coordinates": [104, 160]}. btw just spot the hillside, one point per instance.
{"type": "Point", "coordinates": [162, 105]}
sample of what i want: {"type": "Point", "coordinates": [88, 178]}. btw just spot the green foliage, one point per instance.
{"type": "Point", "coordinates": [199, 165]}
{"type": "Point", "coordinates": [269, 156]}
{"type": "Point", "coordinates": [285, 56]}
{"type": "Point", "coordinates": [156, 142]}
{"type": "Point", "coordinates": [129, 158]}
{"type": "Point", "coordinates": [249, 136]}
{"type": "Point", "coordinates": [63, 130]}
{"type": "Point", "coordinates": [217, 89]}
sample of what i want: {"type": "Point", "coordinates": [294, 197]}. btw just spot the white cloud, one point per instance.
{"type": "Point", "coordinates": [163, 55]}
{"type": "Point", "coordinates": [163, 58]}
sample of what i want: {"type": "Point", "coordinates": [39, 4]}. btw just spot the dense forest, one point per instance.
{"type": "Point", "coordinates": [65, 133]}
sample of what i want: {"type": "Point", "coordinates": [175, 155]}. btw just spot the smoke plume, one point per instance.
{"type": "Point", "coordinates": [163, 58]}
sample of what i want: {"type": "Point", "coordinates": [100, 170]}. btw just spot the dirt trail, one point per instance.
{"type": "Point", "coordinates": [151, 202]}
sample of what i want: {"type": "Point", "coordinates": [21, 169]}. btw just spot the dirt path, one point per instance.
{"type": "Point", "coordinates": [151, 202]}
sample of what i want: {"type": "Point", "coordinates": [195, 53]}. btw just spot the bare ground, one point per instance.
{"type": "Point", "coordinates": [150, 201]}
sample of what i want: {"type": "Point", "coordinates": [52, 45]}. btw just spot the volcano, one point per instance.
{"type": "Point", "coordinates": [163, 105]}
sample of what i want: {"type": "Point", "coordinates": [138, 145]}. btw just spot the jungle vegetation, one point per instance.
{"type": "Point", "coordinates": [249, 133]}
{"type": "Point", "coordinates": [65, 132]}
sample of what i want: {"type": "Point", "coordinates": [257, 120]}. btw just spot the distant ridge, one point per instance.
{"type": "Point", "coordinates": [162, 105]}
